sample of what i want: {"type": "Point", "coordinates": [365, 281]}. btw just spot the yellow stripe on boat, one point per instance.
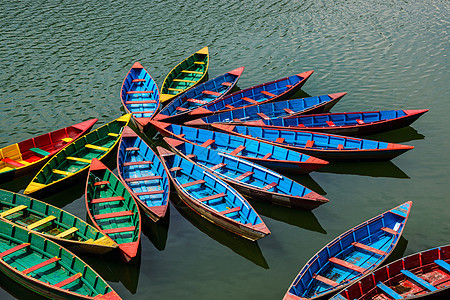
{"type": "Point", "coordinates": [204, 50]}
{"type": "Point", "coordinates": [65, 173]}
{"type": "Point", "coordinates": [41, 222]}
{"type": "Point", "coordinates": [12, 210]}
{"type": "Point", "coordinates": [88, 161]}
{"type": "Point", "coordinates": [34, 186]}
{"type": "Point", "coordinates": [90, 146]}
{"type": "Point", "coordinates": [67, 232]}
{"type": "Point", "coordinates": [125, 118]}
{"type": "Point", "coordinates": [192, 72]}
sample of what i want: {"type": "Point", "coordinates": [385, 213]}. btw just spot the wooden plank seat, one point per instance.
{"type": "Point", "coordinates": [112, 134]}
{"type": "Point", "coordinates": [12, 162]}
{"type": "Point", "coordinates": [230, 210]}
{"type": "Point", "coordinates": [95, 147]}
{"type": "Point", "coordinates": [444, 265]}
{"type": "Point", "coordinates": [218, 166]}
{"type": "Point", "coordinates": [199, 63]}
{"type": "Point", "coordinates": [67, 139]}
{"type": "Point", "coordinates": [41, 222]}
{"type": "Point", "coordinates": [98, 183]}
{"type": "Point", "coordinates": [68, 280]}
{"type": "Point", "coordinates": [360, 122]}
{"type": "Point", "coordinates": [368, 248]}
{"type": "Point", "coordinates": [150, 193]}
{"type": "Point", "coordinates": [181, 108]}
{"type": "Point", "coordinates": [346, 264]}
{"type": "Point", "coordinates": [289, 86]}
{"type": "Point", "coordinates": [60, 172]}
{"type": "Point", "coordinates": [124, 213]}
{"type": "Point", "coordinates": [263, 116]}
{"type": "Point", "coordinates": [269, 94]}
{"type": "Point", "coordinates": [175, 169]}
{"type": "Point", "coordinates": [279, 140]}
{"type": "Point", "coordinates": [142, 112]}
{"type": "Point", "coordinates": [325, 280]}
{"type": "Point", "coordinates": [207, 143]}
{"type": "Point", "coordinates": [138, 80]}
{"type": "Point", "coordinates": [67, 232]}
{"type": "Point", "coordinates": [419, 280]}
{"type": "Point", "coordinates": [267, 155]}
{"type": "Point", "coordinates": [301, 125]}
{"type": "Point", "coordinates": [188, 184]}
{"type": "Point", "coordinates": [230, 106]}
{"type": "Point", "coordinates": [144, 178]}
{"type": "Point", "coordinates": [184, 80]}
{"type": "Point", "coordinates": [40, 151]}
{"type": "Point", "coordinates": [331, 123]}
{"type": "Point", "coordinates": [137, 163]}
{"type": "Point", "coordinates": [140, 102]}
{"type": "Point", "coordinates": [212, 197]}
{"type": "Point", "coordinates": [226, 83]}
{"type": "Point", "coordinates": [237, 150]}
{"type": "Point", "coordinates": [389, 230]}
{"type": "Point", "coordinates": [191, 72]}
{"type": "Point", "coordinates": [132, 149]}
{"type": "Point", "coordinates": [13, 249]}
{"type": "Point", "coordinates": [270, 186]}
{"type": "Point", "coordinates": [309, 144]}
{"type": "Point", "coordinates": [340, 147]}
{"type": "Point", "coordinates": [84, 160]}
{"type": "Point", "coordinates": [198, 101]}
{"type": "Point", "coordinates": [175, 90]}
{"type": "Point", "coordinates": [387, 290]}
{"type": "Point", "coordinates": [289, 111]}
{"type": "Point", "coordinates": [211, 93]}
{"type": "Point", "coordinates": [41, 265]}
{"type": "Point", "coordinates": [249, 100]}
{"type": "Point", "coordinates": [119, 230]}
{"type": "Point", "coordinates": [107, 199]}
{"type": "Point", "coordinates": [12, 210]}
{"type": "Point", "coordinates": [139, 92]}
{"type": "Point", "coordinates": [245, 175]}
{"type": "Point", "coordinates": [191, 156]}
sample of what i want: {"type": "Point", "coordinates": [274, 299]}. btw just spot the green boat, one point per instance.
{"type": "Point", "coordinates": [188, 73]}
{"type": "Point", "coordinates": [112, 209]}
{"type": "Point", "coordinates": [53, 223]}
{"type": "Point", "coordinates": [46, 268]}
{"type": "Point", "coordinates": [73, 161]}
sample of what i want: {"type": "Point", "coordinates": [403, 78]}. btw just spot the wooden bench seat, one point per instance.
{"type": "Point", "coordinates": [245, 175]}
{"type": "Point", "coordinates": [218, 166]}
{"type": "Point", "coordinates": [138, 80]}
{"type": "Point", "coordinates": [40, 151]}
{"type": "Point", "coordinates": [142, 112]}
{"type": "Point", "coordinates": [207, 143]}
{"type": "Point", "coordinates": [325, 280]}
{"type": "Point", "coordinates": [68, 280]}
{"type": "Point", "coordinates": [175, 169]}
{"type": "Point", "coordinates": [418, 280]}
{"type": "Point", "coordinates": [346, 264]}
{"type": "Point", "coordinates": [444, 265]}
{"type": "Point", "coordinates": [12, 162]}
{"type": "Point", "coordinates": [309, 144]}
{"type": "Point", "coordinates": [175, 90]}
{"type": "Point", "coordinates": [212, 197]}
{"type": "Point", "coordinates": [198, 101]}
{"type": "Point", "coordinates": [368, 248]}
{"type": "Point", "coordinates": [95, 147]}
{"type": "Point", "coordinates": [84, 160]}
{"type": "Point", "coordinates": [99, 183]}
{"type": "Point", "coordinates": [389, 230]}
{"type": "Point", "coordinates": [66, 232]}
{"type": "Point", "coordinates": [184, 80]}
{"type": "Point", "coordinates": [119, 230]}
{"type": "Point", "coordinates": [191, 72]}
{"type": "Point", "coordinates": [387, 290]}
{"type": "Point", "coordinates": [107, 199]}
{"type": "Point", "coordinates": [230, 106]}
{"type": "Point", "coordinates": [188, 184]}
{"type": "Point", "coordinates": [263, 116]}
{"type": "Point", "coordinates": [211, 93]}
{"type": "Point", "coordinates": [289, 111]}
{"type": "Point", "coordinates": [131, 149]}
{"type": "Point", "coordinates": [267, 156]}
{"type": "Point", "coordinates": [249, 100]}
{"type": "Point", "coordinates": [279, 140]}
{"type": "Point", "coordinates": [137, 163]}
{"type": "Point", "coordinates": [269, 94]}
{"type": "Point", "coordinates": [331, 123]}
{"type": "Point", "coordinates": [139, 92]}
{"type": "Point", "coordinates": [60, 172]}
{"type": "Point", "coordinates": [181, 108]}
{"type": "Point", "coordinates": [157, 177]}
{"type": "Point", "coordinates": [270, 186]}
{"type": "Point", "coordinates": [118, 214]}
{"type": "Point", "coordinates": [226, 83]}
{"type": "Point", "coordinates": [41, 222]}
{"type": "Point", "coordinates": [237, 150]}
{"type": "Point", "coordinates": [360, 122]}
{"type": "Point", "coordinates": [231, 210]}
{"type": "Point", "coordinates": [150, 193]}
{"type": "Point", "coordinates": [140, 102]}
{"type": "Point", "coordinates": [12, 210]}
{"type": "Point", "coordinates": [13, 249]}
{"type": "Point", "coordinates": [41, 265]}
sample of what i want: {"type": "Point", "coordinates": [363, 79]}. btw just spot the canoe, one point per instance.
{"type": "Point", "coordinates": [265, 154]}
{"type": "Point", "coordinates": [188, 73]}
{"type": "Point", "coordinates": [212, 90]}
{"type": "Point", "coordinates": [321, 145]}
{"type": "Point", "coordinates": [212, 198]}
{"type": "Point", "coordinates": [350, 256]}
{"type": "Point", "coordinates": [423, 274]}
{"type": "Point", "coordinates": [271, 110]}
{"type": "Point", "coordinates": [46, 268]}
{"type": "Point", "coordinates": [249, 178]}
{"type": "Point", "coordinates": [30, 155]}
{"type": "Point", "coordinates": [73, 162]}
{"type": "Point", "coordinates": [140, 95]}
{"type": "Point", "coordinates": [53, 223]}
{"type": "Point", "coordinates": [142, 171]}
{"type": "Point", "coordinates": [347, 123]}
{"type": "Point", "coordinates": [259, 94]}
{"type": "Point", "coordinates": [112, 209]}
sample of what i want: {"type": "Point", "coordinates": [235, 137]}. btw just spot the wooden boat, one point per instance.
{"type": "Point", "coordinates": [73, 162]}
{"type": "Point", "coordinates": [142, 171]}
{"type": "Point", "coordinates": [46, 268]}
{"type": "Point", "coordinates": [249, 178]}
{"type": "Point", "coordinates": [270, 156]}
{"type": "Point", "coordinates": [322, 145]}
{"type": "Point", "coordinates": [140, 95]}
{"type": "Point", "coordinates": [212, 198]}
{"type": "Point", "coordinates": [30, 155]}
{"type": "Point", "coordinates": [259, 94]}
{"type": "Point", "coordinates": [213, 90]}
{"type": "Point", "coordinates": [350, 256]}
{"type": "Point", "coordinates": [271, 110]}
{"type": "Point", "coordinates": [423, 274]}
{"type": "Point", "coordinates": [347, 123]}
{"type": "Point", "coordinates": [112, 209]}
{"type": "Point", "coordinates": [188, 73]}
{"type": "Point", "coordinates": [53, 223]}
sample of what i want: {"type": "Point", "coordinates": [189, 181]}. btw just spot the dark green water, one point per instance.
{"type": "Point", "coordinates": [64, 62]}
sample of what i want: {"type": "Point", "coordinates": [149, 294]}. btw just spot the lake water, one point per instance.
{"type": "Point", "coordinates": [64, 62]}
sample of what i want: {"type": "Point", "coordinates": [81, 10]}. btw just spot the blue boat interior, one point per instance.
{"type": "Point", "coordinates": [210, 191]}
{"type": "Point", "coordinates": [152, 190]}
{"type": "Point", "coordinates": [140, 93]}
{"type": "Point", "coordinates": [351, 255]}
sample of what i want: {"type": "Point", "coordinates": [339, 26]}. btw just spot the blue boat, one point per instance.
{"type": "Point", "coordinates": [350, 256]}
{"type": "Point", "coordinates": [140, 95]}
{"type": "Point", "coordinates": [142, 171]}
{"type": "Point", "coordinates": [346, 123]}
{"type": "Point", "coordinates": [213, 90]}
{"type": "Point", "coordinates": [322, 145]}
{"type": "Point", "coordinates": [249, 178]}
{"type": "Point", "coordinates": [267, 92]}
{"type": "Point", "coordinates": [271, 110]}
{"type": "Point", "coordinates": [262, 153]}
{"type": "Point", "coordinates": [212, 198]}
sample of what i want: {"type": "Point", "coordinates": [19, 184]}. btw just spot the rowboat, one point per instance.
{"type": "Point", "coordinates": [322, 145]}
{"type": "Point", "coordinates": [271, 110]}
{"type": "Point", "coordinates": [259, 94]}
{"type": "Point", "coordinates": [350, 256]}
{"type": "Point", "coordinates": [423, 274]}
{"type": "Point", "coordinates": [46, 268]}
{"type": "Point", "coordinates": [249, 178]}
{"type": "Point", "coordinates": [140, 95]}
{"type": "Point", "coordinates": [188, 73]}
{"type": "Point", "coordinates": [73, 162]}
{"type": "Point", "coordinates": [260, 152]}
{"type": "Point", "coordinates": [30, 155]}
{"type": "Point", "coordinates": [112, 209]}
{"type": "Point", "coordinates": [212, 198]}
{"type": "Point", "coordinates": [53, 223]}
{"type": "Point", "coordinates": [213, 90]}
{"type": "Point", "coordinates": [142, 171]}
{"type": "Point", "coordinates": [347, 123]}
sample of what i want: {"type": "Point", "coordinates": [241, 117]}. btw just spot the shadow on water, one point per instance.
{"type": "Point", "coordinates": [401, 135]}
{"type": "Point", "coordinates": [398, 252]}
{"type": "Point", "coordinates": [300, 94]}
{"type": "Point", "coordinates": [16, 290]}
{"type": "Point", "coordinates": [301, 218]}
{"type": "Point", "coordinates": [373, 169]}
{"type": "Point", "coordinates": [19, 184]}
{"type": "Point", "coordinates": [306, 180]}
{"type": "Point", "coordinates": [156, 232]}
{"type": "Point", "coordinates": [245, 248]}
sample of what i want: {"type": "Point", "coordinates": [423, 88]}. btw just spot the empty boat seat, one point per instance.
{"type": "Point", "coordinates": [270, 186]}
{"type": "Point", "coordinates": [309, 144]}
{"type": "Point", "coordinates": [359, 121]}
{"type": "Point", "coordinates": [40, 265]}
{"type": "Point", "coordinates": [13, 162]}
{"type": "Point", "coordinates": [193, 100]}
{"type": "Point", "coordinates": [218, 166]}
{"type": "Point", "coordinates": [139, 92]}
{"type": "Point", "coordinates": [237, 150]}
{"type": "Point", "coordinates": [188, 184]}
{"type": "Point", "coordinates": [140, 102]}
{"type": "Point", "coordinates": [331, 123]}
{"type": "Point", "coordinates": [211, 93]}
{"type": "Point", "coordinates": [207, 143]}
{"type": "Point", "coordinates": [249, 100]}
{"type": "Point", "coordinates": [13, 249]}
{"type": "Point", "coordinates": [268, 94]}
{"type": "Point", "coordinates": [212, 197]}
{"type": "Point", "coordinates": [245, 175]}
{"type": "Point", "coordinates": [226, 83]}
